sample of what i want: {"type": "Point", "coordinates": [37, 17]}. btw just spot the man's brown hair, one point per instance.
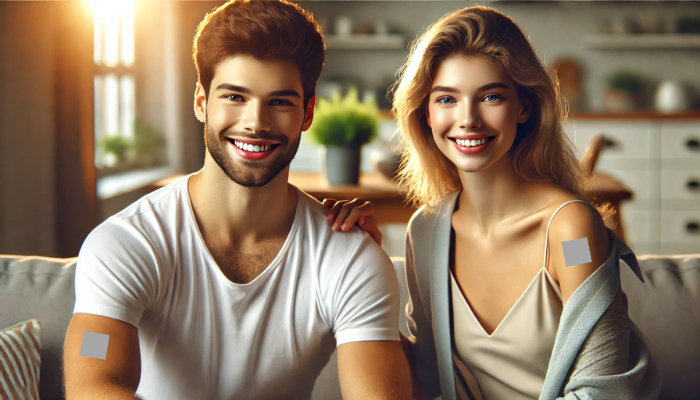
{"type": "Point", "coordinates": [266, 30]}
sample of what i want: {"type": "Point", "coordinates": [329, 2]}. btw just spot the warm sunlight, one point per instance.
{"type": "Point", "coordinates": [114, 32]}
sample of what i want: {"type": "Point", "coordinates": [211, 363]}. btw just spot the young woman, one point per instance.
{"type": "Point", "coordinates": [513, 277]}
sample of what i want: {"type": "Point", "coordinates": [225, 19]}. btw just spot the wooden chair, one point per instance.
{"type": "Point", "coordinates": [588, 161]}
{"type": "Point", "coordinates": [592, 152]}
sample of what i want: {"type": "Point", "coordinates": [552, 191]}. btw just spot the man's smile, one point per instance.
{"type": "Point", "coordinates": [255, 152]}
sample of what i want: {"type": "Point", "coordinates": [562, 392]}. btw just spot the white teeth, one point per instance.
{"type": "Point", "coordinates": [251, 148]}
{"type": "Point", "coordinates": [471, 143]}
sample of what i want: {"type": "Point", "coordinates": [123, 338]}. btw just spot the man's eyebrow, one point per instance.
{"type": "Point", "coordinates": [235, 88]}
{"type": "Point", "coordinates": [488, 86]}
{"type": "Point", "coordinates": [285, 93]}
{"type": "Point", "coordinates": [242, 89]}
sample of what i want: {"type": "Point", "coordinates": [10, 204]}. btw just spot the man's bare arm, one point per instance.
{"type": "Point", "coordinates": [117, 376]}
{"type": "Point", "coordinates": [373, 370]}
{"type": "Point", "coordinates": [419, 392]}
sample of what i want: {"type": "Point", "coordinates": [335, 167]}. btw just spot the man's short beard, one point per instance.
{"type": "Point", "coordinates": [264, 171]}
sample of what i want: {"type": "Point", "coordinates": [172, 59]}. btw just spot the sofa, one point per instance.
{"type": "Point", "coordinates": [666, 309]}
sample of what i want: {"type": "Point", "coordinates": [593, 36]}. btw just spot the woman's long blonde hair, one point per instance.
{"type": "Point", "coordinates": [542, 152]}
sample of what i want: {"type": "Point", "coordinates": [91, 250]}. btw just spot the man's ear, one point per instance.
{"type": "Point", "coordinates": [200, 103]}
{"type": "Point", "coordinates": [309, 114]}
{"type": "Point", "coordinates": [524, 110]}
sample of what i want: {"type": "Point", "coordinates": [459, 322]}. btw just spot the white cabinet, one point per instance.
{"type": "Point", "coordinates": [680, 187]}
{"type": "Point", "coordinates": [659, 160]}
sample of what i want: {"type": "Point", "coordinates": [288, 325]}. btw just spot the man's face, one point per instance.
{"type": "Point", "coordinates": [253, 117]}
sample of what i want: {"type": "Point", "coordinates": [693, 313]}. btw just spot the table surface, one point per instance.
{"type": "Point", "coordinates": [374, 186]}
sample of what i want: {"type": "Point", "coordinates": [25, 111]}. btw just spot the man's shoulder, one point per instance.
{"type": "Point", "coordinates": [320, 229]}
{"type": "Point", "coordinates": [139, 224]}
{"type": "Point", "coordinates": [156, 202]}
{"type": "Point", "coordinates": [341, 247]}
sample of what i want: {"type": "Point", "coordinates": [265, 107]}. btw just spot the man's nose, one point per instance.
{"type": "Point", "coordinates": [254, 118]}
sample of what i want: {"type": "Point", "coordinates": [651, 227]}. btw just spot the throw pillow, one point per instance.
{"type": "Point", "coordinates": [20, 360]}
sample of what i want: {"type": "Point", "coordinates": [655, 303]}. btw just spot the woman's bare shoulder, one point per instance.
{"type": "Point", "coordinates": [553, 196]}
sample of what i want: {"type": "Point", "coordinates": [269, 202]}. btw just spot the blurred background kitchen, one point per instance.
{"type": "Point", "coordinates": [96, 108]}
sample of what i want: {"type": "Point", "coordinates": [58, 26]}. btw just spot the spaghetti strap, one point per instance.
{"type": "Point", "coordinates": [546, 235]}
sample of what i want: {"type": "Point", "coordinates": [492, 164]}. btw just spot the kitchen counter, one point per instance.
{"type": "Point", "coordinates": [636, 115]}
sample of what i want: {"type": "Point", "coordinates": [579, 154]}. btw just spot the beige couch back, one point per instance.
{"type": "Point", "coordinates": [666, 309]}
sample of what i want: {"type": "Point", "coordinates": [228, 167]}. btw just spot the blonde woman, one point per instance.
{"type": "Point", "coordinates": [499, 308]}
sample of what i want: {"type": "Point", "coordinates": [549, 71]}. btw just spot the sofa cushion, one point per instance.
{"type": "Point", "coordinates": [666, 308]}
{"type": "Point", "coordinates": [43, 289]}
{"type": "Point", "coordinates": [20, 359]}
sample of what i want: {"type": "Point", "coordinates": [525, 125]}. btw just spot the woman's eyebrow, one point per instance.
{"type": "Point", "coordinates": [488, 86]}
{"type": "Point", "coordinates": [493, 85]}
{"type": "Point", "coordinates": [449, 89]}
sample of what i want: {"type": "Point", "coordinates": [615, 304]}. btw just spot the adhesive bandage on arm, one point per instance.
{"type": "Point", "coordinates": [94, 345]}
{"type": "Point", "coordinates": [576, 252]}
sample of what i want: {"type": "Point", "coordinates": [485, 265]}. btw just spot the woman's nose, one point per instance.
{"type": "Point", "coordinates": [469, 116]}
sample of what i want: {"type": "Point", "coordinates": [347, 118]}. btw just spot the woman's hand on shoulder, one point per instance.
{"type": "Point", "coordinates": [576, 221]}
{"type": "Point", "coordinates": [343, 214]}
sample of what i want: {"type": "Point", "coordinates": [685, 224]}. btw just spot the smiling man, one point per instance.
{"type": "Point", "coordinates": [230, 282]}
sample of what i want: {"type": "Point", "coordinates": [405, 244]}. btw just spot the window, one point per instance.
{"type": "Point", "coordinates": [122, 142]}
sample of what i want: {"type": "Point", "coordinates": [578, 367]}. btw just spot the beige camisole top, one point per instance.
{"type": "Point", "coordinates": [512, 362]}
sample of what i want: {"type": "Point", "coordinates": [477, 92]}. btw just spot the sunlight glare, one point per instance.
{"type": "Point", "coordinates": [114, 32]}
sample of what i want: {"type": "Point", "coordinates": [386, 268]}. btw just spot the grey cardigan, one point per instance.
{"type": "Point", "coordinates": [594, 337]}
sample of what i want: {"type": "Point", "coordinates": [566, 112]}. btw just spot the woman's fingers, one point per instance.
{"type": "Point", "coordinates": [334, 206]}
{"type": "Point", "coordinates": [370, 226]}
{"type": "Point", "coordinates": [344, 214]}
{"type": "Point", "coordinates": [364, 215]}
{"type": "Point", "coordinates": [346, 218]}
{"type": "Point", "coordinates": [328, 203]}
{"type": "Point", "coordinates": [359, 214]}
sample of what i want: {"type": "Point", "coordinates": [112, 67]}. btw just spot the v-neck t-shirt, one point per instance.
{"type": "Point", "coordinates": [202, 336]}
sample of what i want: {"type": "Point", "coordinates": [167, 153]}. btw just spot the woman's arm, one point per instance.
{"type": "Point", "coordinates": [613, 362]}
{"type": "Point", "coordinates": [576, 221]}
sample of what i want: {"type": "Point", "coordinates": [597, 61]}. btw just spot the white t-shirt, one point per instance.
{"type": "Point", "coordinates": [202, 336]}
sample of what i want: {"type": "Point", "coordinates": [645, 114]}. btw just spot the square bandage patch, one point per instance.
{"type": "Point", "coordinates": [94, 345]}
{"type": "Point", "coordinates": [576, 252]}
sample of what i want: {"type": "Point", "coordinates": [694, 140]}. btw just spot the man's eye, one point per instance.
{"type": "Point", "coordinates": [280, 102]}
{"type": "Point", "coordinates": [445, 100]}
{"type": "Point", "coordinates": [234, 97]}
{"type": "Point", "coordinates": [492, 97]}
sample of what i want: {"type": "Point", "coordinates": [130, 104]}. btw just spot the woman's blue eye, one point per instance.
{"type": "Point", "coordinates": [446, 100]}
{"type": "Point", "coordinates": [492, 97]}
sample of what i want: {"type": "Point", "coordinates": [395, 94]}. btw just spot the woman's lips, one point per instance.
{"type": "Point", "coordinates": [472, 149]}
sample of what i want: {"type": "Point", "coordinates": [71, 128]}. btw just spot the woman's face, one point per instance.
{"type": "Point", "coordinates": [473, 111]}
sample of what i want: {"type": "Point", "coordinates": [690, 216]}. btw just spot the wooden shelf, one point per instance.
{"type": "Point", "coordinates": [643, 41]}
{"type": "Point", "coordinates": [365, 42]}
{"type": "Point", "coordinates": [638, 115]}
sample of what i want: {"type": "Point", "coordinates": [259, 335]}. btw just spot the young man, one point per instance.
{"type": "Point", "coordinates": [230, 283]}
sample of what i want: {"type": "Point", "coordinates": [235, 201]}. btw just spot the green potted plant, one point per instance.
{"type": "Point", "coordinates": [623, 92]}
{"type": "Point", "coordinates": [118, 146]}
{"type": "Point", "coordinates": [342, 125]}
